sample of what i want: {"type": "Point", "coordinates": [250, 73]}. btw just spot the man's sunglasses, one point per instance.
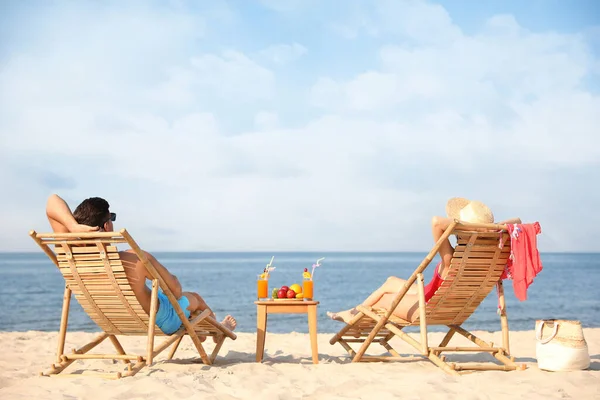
{"type": "Point", "coordinates": [113, 217]}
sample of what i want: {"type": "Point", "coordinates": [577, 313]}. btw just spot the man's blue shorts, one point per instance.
{"type": "Point", "coordinates": [166, 318]}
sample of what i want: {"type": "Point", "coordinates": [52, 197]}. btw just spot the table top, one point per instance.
{"type": "Point", "coordinates": [291, 302]}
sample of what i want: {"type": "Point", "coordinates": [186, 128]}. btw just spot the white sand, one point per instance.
{"type": "Point", "coordinates": [286, 373]}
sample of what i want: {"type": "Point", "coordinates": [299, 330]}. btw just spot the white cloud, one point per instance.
{"type": "Point", "coordinates": [505, 83]}
{"type": "Point", "coordinates": [418, 21]}
{"type": "Point", "coordinates": [233, 75]}
{"type": "Point", "coordinates": [230, 76]}
{"type": "Point", "coordinates": [281, 54]}
{"type": "Point", "coordinates": [289, 6]}
{"type": "Point", "coordinates": [421, 21]}
{"type": "Point", "coordinates": [194, 148]}
{"type": "Point", "coordinates": [265, 120]}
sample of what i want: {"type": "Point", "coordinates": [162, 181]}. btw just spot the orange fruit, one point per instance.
{"type": "Point", "coordinates": [296, 288]}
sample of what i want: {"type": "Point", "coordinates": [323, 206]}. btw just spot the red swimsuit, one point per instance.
{"type": "Point", "coordinates": [434, 285]}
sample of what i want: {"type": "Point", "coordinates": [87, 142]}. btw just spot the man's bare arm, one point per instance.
{"type": "Point", "coordinates": [170, 279]}
{"type": "Point", "coordinates": [61, 218]}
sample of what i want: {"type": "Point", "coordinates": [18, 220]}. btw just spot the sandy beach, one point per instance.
{"type": "Point", "coordinates": [286, 373]}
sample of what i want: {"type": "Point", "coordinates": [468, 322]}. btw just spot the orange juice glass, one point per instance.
{"type": "Point", "coordinates": [262, 287]}
{"type": "Point", "coordinates": [307, 289]}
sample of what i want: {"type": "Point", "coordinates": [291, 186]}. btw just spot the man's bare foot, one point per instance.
{"type": "Point", "coordinates": [343, 316]}
{"type": "Point", "coordinates": [229, 322]}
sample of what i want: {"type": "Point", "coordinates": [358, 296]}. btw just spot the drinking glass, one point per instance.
{"type": "Point", "coordinates": [307, 288]}
{"type": "Point", "coordinates": [262, 287]}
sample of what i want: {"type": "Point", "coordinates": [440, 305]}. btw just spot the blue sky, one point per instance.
{"type": "Point", "coordinates": [301, 125]}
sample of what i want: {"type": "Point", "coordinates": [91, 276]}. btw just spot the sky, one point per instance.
{"type": "Point", "coordinates": [303, 124]}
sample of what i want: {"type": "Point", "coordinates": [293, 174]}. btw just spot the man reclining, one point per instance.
{"type": "Point", "coordinates": [93, 215]}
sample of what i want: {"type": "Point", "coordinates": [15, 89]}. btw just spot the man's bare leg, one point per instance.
{"type": "Point", "coordinates": [197, 303]}
{"type": "Point", "coordinates": [195, 306]}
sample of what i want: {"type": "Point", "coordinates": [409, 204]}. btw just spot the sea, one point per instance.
{"type": "Point", "coordinates": [566, 288]}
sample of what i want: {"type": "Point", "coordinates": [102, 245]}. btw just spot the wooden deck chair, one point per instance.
{"type": "Point", "coordinates": [477, 264]}
{"type": "Point", "coordinates": [94, 273]}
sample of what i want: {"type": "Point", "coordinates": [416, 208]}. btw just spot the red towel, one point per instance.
{"type": "Point", "coordinates": [524, 262]}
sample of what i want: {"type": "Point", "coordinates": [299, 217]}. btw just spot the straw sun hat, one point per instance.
{"type": "Point", "coordinates": [469, 210]}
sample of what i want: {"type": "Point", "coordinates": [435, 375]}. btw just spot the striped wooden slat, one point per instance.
{"type": "Point", "coordinates": [93, 270]}
{"type": "Point", "coordinates": [85, 298]}
{"type": "Point", "coordinates": [473, 275]}
{"type": "Point", "coordinates": [475, 268]}
{"type": "Point", "coordinates": [79, 242]}
{"type": "Point", "coordinates": [86, 249]}
{"type": "Point", "coordinates": [124, 300]}
{"type": "Point", "coordinates": [97, 278]}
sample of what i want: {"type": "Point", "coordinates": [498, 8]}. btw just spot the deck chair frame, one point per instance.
{"type": "Point", "coordinates": [74, 254]}
{"type": "Point", "coordinates": [370, 325]}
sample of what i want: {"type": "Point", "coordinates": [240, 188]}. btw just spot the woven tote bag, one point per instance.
{"type": "Point", "coordinates": [560, 345]}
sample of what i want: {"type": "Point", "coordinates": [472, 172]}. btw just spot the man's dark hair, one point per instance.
{"type": "Point", "coordinates": [92, 212]}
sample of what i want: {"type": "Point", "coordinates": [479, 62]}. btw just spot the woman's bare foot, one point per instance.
{"type": "Point", "coordinates": [343, 316]}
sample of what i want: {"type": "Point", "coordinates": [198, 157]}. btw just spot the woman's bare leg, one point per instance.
{"type": "Point", "coordinates": [410, 302]}
{"type": "Point", "coordinates": [391, 286]}
{"type": "Point", "coordinates": [405, 309]}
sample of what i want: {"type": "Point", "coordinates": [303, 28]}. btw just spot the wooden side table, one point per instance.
{"type": "Point", "coordinates": [264, 308]}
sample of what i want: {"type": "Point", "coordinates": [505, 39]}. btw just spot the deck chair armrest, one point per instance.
{"type": "Point", "coordinates": [221, 327]}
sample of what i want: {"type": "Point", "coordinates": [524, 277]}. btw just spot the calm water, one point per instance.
{"type": "Point", "coordinates": [32, 288]}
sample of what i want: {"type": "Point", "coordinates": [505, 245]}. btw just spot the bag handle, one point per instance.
{"type": "Point", "coordinates": [538, 333]}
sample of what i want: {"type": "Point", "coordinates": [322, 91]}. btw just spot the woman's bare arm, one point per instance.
{"type": "Point", "coordinates": [510, 221]}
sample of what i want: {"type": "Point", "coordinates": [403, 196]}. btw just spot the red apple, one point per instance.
{"type": "Point", "coordinates": [285, 288]}
{"type": "Point", "coordinates": [282, 294]}
{"type": "Point", "coordinates": [291, 294]}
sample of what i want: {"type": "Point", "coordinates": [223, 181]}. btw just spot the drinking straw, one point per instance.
{"type": "Point", "coordinates": [268, 268]}
{"type": "Point", "coordinates": [317, 264]}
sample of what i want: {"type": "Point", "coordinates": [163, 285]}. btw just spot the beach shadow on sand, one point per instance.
{"type": "Point", "coordinates": [595, 365]}
{"type": "Point", "coordinates": [280, 357]}
{"type": "Point", "coordinates": [525, 360]}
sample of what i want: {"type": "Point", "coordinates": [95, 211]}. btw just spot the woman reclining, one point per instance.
{"type": "Point", "coordinates": [383, 297]}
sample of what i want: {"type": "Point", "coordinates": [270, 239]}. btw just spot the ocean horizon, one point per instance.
{"type": "Point", "coordinates": [33, 288]}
